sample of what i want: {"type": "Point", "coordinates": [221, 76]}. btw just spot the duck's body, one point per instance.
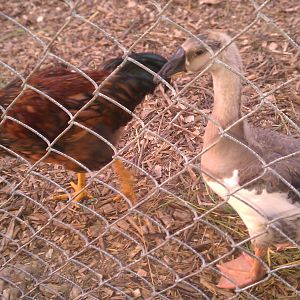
{"type": "Point", "coordinates": [233, 165]}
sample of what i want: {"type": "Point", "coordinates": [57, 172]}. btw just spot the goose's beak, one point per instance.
{"type": "Point", "coordinates": [176, 64]}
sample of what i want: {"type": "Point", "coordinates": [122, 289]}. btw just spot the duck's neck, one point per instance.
{"type": "Point", "coordinates": [227, 105]}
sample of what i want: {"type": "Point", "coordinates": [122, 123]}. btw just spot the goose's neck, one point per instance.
{"type": "Point", "coordinates": [227, 105]}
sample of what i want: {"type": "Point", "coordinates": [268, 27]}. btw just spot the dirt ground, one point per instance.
{"type": "Point", "coordinates": [50, 250]}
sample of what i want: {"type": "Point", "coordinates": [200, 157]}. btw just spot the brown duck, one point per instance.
{"type": "Point", "coordinates": [262, 196]}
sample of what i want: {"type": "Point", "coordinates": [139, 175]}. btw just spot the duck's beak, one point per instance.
{"type": "Point", "coordinates": [176, 64]}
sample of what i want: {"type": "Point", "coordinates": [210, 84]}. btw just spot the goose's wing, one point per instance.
{"type": "Point", "coordinates": [273, 147]}
{"type": "Point", "coordinates": [268, 141]}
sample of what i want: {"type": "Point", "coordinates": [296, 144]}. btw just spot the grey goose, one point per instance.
{"type": "Point", "coordinates": [230, 167]}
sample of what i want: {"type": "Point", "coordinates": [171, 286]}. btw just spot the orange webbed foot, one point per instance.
{"type": "Point", "coordinates": [244, 270]}
{"type": "Point", "coordinates": [284, 246]}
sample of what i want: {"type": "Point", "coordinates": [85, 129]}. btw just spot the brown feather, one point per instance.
{"type": "Point", "coordinates": [73, 91]}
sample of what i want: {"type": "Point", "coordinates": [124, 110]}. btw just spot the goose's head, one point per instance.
{"type": "Point", "coordinates": [195, 54]}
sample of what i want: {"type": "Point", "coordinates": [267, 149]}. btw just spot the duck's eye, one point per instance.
{"type": "Point", "coordinates": [199, 52]}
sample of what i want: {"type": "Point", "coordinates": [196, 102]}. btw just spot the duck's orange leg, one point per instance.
{"type": "Point", "coordinates": [244, 270]}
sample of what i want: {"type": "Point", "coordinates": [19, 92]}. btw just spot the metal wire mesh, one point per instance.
{"type": "Point", "coordinates": [168, 244]}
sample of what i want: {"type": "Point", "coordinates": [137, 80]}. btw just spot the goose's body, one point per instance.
{"type": "Point", "coordinates": [233, 167]}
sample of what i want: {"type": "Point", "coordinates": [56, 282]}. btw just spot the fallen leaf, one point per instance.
{"type": "Point", "coordinates": [131, 4]}
{"type": "Point", "coordinates": [123, 225]}
{"type": "Point", "coordinates": [157, 171]}
{"type": "Point", "coordinates": [136, 293]}
{"type": "Point", "coordinates": [135, 251]}
{"type": "Point", "coordinates": [189, 119]}
{"type": "Point", "coordinates": [196, 132]}
{"type": "Point", "coordinates": [142, 273]}
{"type": "Point", "coordinates": [40, 19]}
{"type": "Point", "coordinates": [273, 46]}
{"type": "Point", "coordinates": [49, 253]}
{"type": "Point", "coordinates": [148, 136]}
{"type": "Point", "coordinates": [211, 2]}
{"type": "Point", "coordinates": [107, 208]}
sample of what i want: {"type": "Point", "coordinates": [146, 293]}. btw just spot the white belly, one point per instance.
{"type": "Point", "coordinates": [256, 210]}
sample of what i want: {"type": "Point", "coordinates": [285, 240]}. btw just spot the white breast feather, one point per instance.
{"type": "Point", "coordinates": [266, 206]}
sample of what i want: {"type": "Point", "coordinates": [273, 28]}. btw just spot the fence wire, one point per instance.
{"type": "Point", "coordinates": [168, 244]}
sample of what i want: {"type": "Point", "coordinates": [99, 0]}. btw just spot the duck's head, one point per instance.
{"type": "Point", "coordinates": [195, 54]}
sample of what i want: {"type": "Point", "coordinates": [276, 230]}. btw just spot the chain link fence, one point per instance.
{"type": "Point", "coordinates": [168, 244]}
